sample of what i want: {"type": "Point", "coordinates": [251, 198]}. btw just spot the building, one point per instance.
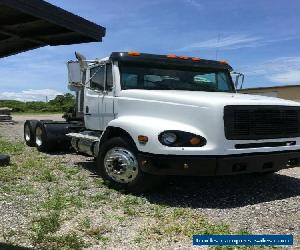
{"type": "Point", "coordinates": [289, 92]}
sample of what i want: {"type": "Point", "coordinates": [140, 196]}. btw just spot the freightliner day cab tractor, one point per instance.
{"type": "Point", "coordinates": [143, 116]}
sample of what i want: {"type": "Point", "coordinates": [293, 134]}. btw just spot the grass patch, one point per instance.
{"type": "Point", "coordinates": [60, 200]}
{"type": "Point", "coordinates": [131, 205]}
{"type": "Point", "coordinates": [17, 189]}
{"type": "Point", "coordinates": [49, 223]}
{"type": "Point", "coordinates": [70, 172]}
{"type": "Point", "coordinates": [179, 223]}
{"type": "Point", "coordinates": [85, 223]}
{"type": "Point", "coordinates": [70, 241]}
{"type": "Point", "coordinates": [45, 227]}
{"type": "Point", "coordinates": [7, 147]}
{"type": "Point", "coordinates": [71, 193]}
{"type": "Point", "coordinates": [47, 175]}
{"type": "Point", "coordinates": [102, 197]}
{"type": "Point", "coordinates": [9, 174]}
{"type": "Point", "coordinates": [99, 232]}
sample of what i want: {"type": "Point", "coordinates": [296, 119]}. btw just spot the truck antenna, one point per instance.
{"type": "Point", "coordinates": [217, 47]}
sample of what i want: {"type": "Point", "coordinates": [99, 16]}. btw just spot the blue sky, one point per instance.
{"type": "Point", "coordinates": [260, 38]}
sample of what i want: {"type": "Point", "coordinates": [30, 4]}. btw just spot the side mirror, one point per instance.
{"type": "Point", "coordinates": [239, 80]}
{"type": "Point", "coordinates": [74, 72]}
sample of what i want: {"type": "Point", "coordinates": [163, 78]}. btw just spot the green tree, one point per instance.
{"type": "Point", "coordinates": [61, 103]}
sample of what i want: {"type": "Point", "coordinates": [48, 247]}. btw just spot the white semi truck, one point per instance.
{"type": "Point", "coordinates": [143, 116]}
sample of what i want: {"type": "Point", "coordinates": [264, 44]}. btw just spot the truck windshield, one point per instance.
{"type": "Point", "coordinates": [179, 78]}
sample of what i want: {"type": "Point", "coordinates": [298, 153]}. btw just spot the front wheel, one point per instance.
{"type": "Point", "coordinates": [119, 167]}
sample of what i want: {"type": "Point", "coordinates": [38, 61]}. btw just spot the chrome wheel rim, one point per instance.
{"type": "Point", "coordinates": [27, 133]}
{"type": "Point", "coordinates": [38, 136]}
{"type": "Point", "coordinates": [121, 165]}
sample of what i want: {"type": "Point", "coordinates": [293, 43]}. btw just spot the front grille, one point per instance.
{"type": "Point", "coordinates": [261, 122]}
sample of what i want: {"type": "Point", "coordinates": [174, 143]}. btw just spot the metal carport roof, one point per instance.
{"type": "Point", "coordinates": [30, 24]}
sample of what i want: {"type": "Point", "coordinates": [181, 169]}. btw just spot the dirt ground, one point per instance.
{"type": "Point", "coordinates": [257, 204]}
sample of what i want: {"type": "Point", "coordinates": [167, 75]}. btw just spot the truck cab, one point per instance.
{"type": "Point", "coordinates": [146, 116]}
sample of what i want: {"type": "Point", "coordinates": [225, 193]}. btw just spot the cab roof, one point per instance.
{"type": "Point", "coordinates": [168, 60]}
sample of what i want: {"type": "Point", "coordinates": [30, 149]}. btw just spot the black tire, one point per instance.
{"type": "Point", "coordinates": [29, 132]}
{"type": "Point", "coordinates": [4, 160]}
{"type": "Point", "coordinates": [41, 141]}
{"type": "Point", "coordinates": [143, 182]}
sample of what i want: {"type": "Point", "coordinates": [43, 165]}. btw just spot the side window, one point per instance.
{"type": "Point", "coordinates": [129, 81]}
{"type": "Point", "coordinates": [97, 77]}
{"type": "Point", "coordinates": [151, 80]}
{"type": "Point", "coordinates": [109, 77]}
{"type": "Point", "coordinates": [223, 82]}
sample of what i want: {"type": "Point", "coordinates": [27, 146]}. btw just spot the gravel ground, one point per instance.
{"type": "Point", "coordinates": [262, 205]}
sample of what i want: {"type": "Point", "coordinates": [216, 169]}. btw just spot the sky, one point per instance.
{"type": "Point", "coordinates": [260, 38]}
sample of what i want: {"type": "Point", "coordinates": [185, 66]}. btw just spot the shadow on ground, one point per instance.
{"type": "Point", "coordinates": [220, 191]}
{"type": "Point", "coordinates": [226, 191]}
{"type": "Point", "coordinates": [6, 246]}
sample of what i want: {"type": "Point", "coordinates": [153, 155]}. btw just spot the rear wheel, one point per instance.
{"type": "Point", "coordinates": [41, 141]}
{"type": "Point", "coordinates": [119, 167]}
{"type": "Point", "coordinates": [29, 133]}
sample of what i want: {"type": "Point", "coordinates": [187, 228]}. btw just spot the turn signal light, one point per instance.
{"type": "Point", "coordinates": [134, 53]}
{"type": "Point", "coordinates": [143, 139]}
{"type": "Point", "coordinates": [195, 140]}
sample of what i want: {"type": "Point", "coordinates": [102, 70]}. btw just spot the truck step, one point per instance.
{"type": "Point", "coordinates": [84, 136]}
{"type": "Point", "coordinates": [86, 142]}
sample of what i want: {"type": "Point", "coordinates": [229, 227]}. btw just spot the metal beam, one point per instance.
{"type": "Point", "coordinates": [13, 36]}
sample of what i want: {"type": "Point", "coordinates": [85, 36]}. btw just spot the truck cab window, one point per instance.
{"type": "Point", "coordinates": [175, 78]}
{"type": "Point", "coordinates": [109, 77]}
{"type": "Point", "coordinates": [97, 77]}
{"type": "Point", "coordinates": [129, 81]}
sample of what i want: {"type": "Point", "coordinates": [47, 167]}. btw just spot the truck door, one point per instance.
{"type": "Point", "coordinates": [93, 98]}
{"type": "Point", "coordinates": [108, 98]}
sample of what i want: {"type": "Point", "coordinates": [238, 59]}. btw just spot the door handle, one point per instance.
{"type": "Point", "coordinates": [87, 110]}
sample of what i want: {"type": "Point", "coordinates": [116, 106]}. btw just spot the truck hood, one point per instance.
{"type": "Point", "coordinates": [203, 99]}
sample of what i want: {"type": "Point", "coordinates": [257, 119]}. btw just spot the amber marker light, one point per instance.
{"type": "Point", "coordinates": [143, 139]}
{"type": "Point", "coordinates": [196, 59]}
{"type": "Point", "coordinates": [223, 62]}
{"type": "Point", "coordinates": [134, 53]}
{"type": "Point", "coordinates": [172, 56]}
{"type": "Point", "coordinates": [184, 57]}
{"type": "Point", "coordinates": [195, 140]}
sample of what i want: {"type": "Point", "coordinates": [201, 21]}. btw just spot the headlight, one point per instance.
{"type": "Point", "coordinates": [174, 138]}
{"type": "Point", "coordinates": [168, 138]}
